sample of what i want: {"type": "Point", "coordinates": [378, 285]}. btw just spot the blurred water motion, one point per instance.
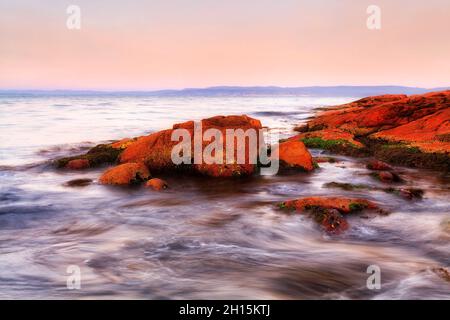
{"type": "Point", "coordinates": [201, 238]}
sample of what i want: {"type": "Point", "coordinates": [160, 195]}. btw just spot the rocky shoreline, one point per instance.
{"type": "Point", "coordinates": [409, 131]}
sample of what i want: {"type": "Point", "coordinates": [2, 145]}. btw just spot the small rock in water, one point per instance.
{"type": "Point", "coordinates": [406, 193]}
{"type": "Point", "coordinates": [78, 183]}
{"type": "Point", "coordinates": [378, 165]}
{"type": "Point", "coordinates": [125, 174]}
{"type": "Point", "coordinates": [333, 221]}
{"type": "Point", "coordinates": [325, 159]}
{"type": "Point", "coordinates": [77, 164]}
{"type": "Point", "coordinates": [345, 186]}
{"type": "Point", "coordinates": [344, 205]}
{"type": "Point", "coordinates": [445, 224]}
{"type": "Point", "coordinates": [444, 273]}
{"type": "Point", "coordinates": [157, 184]}
{"type": "Point", "coordinates": [387, 176]}
{"type": "Point", "coordinates": [411, 193]}
{"type": "Point", "coordinates": [329, 212]}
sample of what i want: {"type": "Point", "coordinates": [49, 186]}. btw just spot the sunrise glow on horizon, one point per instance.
{"type": "Point", "coordinates": [182, 43]}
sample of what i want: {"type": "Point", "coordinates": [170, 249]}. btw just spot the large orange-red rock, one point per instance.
{"type": "Point", "coordinates": [236, 168]}
{"type": "Point", "coordinates": [125, 174]}
{"type": "Point", "coordinates": [293, 154]}
{"type": "Point", "coordinates": [122, 144]}
{"type": "Point", "coordinates": [421, 121]}
{"type": "Point", "coordinates": [155, 150]}
{"type": "Point", "coordinates": [430, 133]}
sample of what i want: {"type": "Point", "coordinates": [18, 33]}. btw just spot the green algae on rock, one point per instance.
{"type": "Point", "coordinates": [330, 212]}
{"type": "Point", "coordinates": [97, 156]}
{"type": "Point", "coordinates": [405, 130]}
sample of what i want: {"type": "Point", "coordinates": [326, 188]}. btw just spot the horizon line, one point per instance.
{"type": "Point", "coordinates": [154, 90]}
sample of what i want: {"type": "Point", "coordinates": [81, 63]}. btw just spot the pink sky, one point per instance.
{"type": "Point", "coordinates": [198, 43]}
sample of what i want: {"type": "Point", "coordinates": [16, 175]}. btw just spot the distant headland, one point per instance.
{"type": "Point", "coordinates": [356, 91]}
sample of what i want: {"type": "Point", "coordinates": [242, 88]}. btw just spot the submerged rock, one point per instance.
{"type": "Point", "coordinates": [410, 193]}
{"type": "Point", "coordinates": [324, 159]}
{"type": "Point", "coordinates": [78, 183]}
{"type": "Point", "coordinates": [386, 176]}
{"type": "Point", "coordinates": [346, 186]}
{"type": "Point", "coordinates": [445, 225]}
{"type": "Point", "coordinates": [156, 184]}
{"type": "Point", "coordinates": [330, 212]}
{"type": "Point", "coordinates": [125, 174]}
{"type": "Point", "coordinates": [406, 130]}
{"type": "Point", "coordinates": [332, 221]}
{"type": "Point", "coordinates": [378, 165]}
{"type": "Point", "coordinates": [77, 164]}
{"type": "Point", "coordinates": [443, 273]}
{"type": "Point", "coordinates": [407, 193]}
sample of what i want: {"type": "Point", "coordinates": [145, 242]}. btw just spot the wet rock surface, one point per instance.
{"type": "Point", "coordinates": [125, 174]}
{"type": "Point", "coordinates": [156, 184]}
{"type": "Point", "coordinates": [330, 212]}
{"type": "Point", "coordinates": [95, 157]}
{"type": "Point", "coordinates": [155, 150]}
{"type": "Point", "coordinates": [378, 165]}
{"type": "Point", "coordinates": [405, 130]}
{"type": "Point", "coordinates": [294, 154]}
{"type": "Point", "coordinates": [78, 183]}
{"type": "Point", "coordinates": [343, 205]}
{"type": "Point", "coordinates": [407, 193]}
{"type": "Point", "coordinates": [386, 176]}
